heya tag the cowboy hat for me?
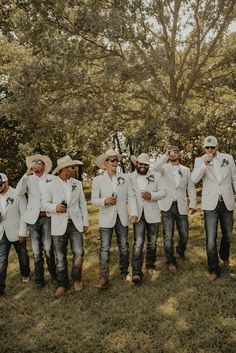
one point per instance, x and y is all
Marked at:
(46, 160)
(103, 157)
(65, 162)
(142, 158)
(210, 141)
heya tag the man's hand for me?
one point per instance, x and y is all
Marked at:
(22, 239)
(85, 229)
(31, 169)
(191, 211)
(146, 195)
(110, 200)
(60, 208)
(133, 219)
(208, 159)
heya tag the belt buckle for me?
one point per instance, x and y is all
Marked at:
(220, 198)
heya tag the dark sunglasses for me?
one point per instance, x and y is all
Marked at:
(208, 147)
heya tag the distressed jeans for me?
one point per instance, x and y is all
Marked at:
(169, 218)
(212, 218)
(60, 243)
(5, 246)
(40, 234)
(140, 228)
(122, 242)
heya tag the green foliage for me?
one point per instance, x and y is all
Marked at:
(75, 75)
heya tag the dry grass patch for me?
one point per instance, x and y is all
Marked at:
(181, 313)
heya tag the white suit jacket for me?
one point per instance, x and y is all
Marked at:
(102, 188)
(158, 192)
(212, 186)
(76, 207)
(29, 185)
(12, 223)
(184, 189)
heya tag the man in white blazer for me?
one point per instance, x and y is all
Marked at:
(112, 192)
(39, 222)
(148, 189)
(64, 200)
(174, 206)
(12, 231)
(218, 173)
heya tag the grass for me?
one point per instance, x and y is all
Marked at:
(182, 313)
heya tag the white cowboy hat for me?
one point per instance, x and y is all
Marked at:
(142, 158)
(103, 157)
(210, 141)
(64, 162)
(46, 160)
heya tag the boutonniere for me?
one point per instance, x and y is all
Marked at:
(74, 186)
(120, 180)
(224, 162)
(48, 180)
(9, 200)
(150, 178)
(180, 172)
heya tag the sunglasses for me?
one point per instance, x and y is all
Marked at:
(208, 147)
(113, 160)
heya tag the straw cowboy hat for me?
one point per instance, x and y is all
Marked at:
(142, 158)
(103, 157)
(65, 162)
(210, 141)
(45, 159)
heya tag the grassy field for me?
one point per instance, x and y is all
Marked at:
(183, 313)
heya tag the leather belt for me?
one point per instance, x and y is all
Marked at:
(42, 214)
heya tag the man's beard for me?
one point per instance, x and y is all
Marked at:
(143, 171)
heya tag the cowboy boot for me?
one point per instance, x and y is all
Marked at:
(103, 281)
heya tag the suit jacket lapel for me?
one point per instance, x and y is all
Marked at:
(108, 182)
(169, 170)
(60, 189)
(9, 200)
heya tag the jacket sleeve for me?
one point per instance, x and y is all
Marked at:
(198, 171)
(161, 189)
(47, 199)
(22, 187)
(22, 203)
(191, 192)
(83, 208)
(158, 165)
(96, 198)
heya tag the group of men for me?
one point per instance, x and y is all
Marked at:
(54, 209)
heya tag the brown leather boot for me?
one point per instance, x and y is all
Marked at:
(103, 281)
(78, 286)
(60, 291)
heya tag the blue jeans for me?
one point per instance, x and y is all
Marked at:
(169, 218)
(60, 243)
(122, 242)
(5, 246)
(41, 240)
(220, 213)
(139, 237)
